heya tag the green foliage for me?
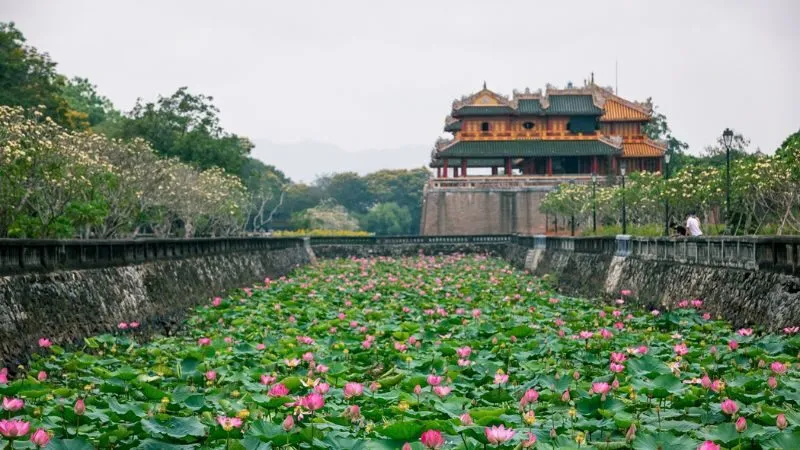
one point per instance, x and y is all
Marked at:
(186, 126)
(82, 97)
(508, 350)
(387, 219)
(326, 216)
(29, 79)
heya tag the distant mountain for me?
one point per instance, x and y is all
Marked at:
(303, 161)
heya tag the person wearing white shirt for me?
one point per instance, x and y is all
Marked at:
(693, 225)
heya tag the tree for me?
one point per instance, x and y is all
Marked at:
(348, 189)
(29, 79)
(82, 97)
(387, 219)
(403, 187)
(325, 216)
(658, 130)
(187, 126)
(266, 187)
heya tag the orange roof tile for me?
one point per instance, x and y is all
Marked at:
(617, 111)
(641, 150)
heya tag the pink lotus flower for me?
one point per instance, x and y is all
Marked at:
(605, 334)
(45, 343)
(14, 428)
(716, 386)
(80, 407)
(434, 380)
(500, 378)
(441, 391)
(216, 302)
(288, 423)
(417, 389)
(772, 382)
(706, 316)
(279, 390)
(41, 376)
(530, 396)
(13, 404)
(708, 445)
(565, 397)
(600, 388)
(211, 375)
(791, 330)
(680, 349)
(625, 292)
(204, 341)
(322, 388)
(705, 381)
(122, 326)
(618, 357)
(697, 303)
(498, 435)
(353, 390)
(617, 368)
(778, 368)
(780, 421)
(229, 423)
(464, 352)
(585, 334)
(745, 331)
(267, 380)
(3, 376)
(40, 438)
(260, 346)
(729, 407)
(530, 442)
(352, 412)
(741, 424)
(406, 446)
(134, 324)
(432, 439)
(466, 419)
(312, 401)
(655, 312)
(733, 345)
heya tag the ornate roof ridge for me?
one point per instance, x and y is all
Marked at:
(450, 120)
(608, 93)
(466, 100)
(614, 141)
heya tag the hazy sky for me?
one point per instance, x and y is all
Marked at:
(382, 74)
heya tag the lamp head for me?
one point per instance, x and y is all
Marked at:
(594, 177)
(727, 137)
(667, 157)
(622, 166)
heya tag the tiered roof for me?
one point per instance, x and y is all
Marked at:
(590, 100)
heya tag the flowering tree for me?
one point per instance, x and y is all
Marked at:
(60, 183)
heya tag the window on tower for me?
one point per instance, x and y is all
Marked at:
(484, 126)
(527, 125)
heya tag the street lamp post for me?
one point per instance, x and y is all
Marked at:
(727, 139)
(594, 204)
(622, 166)
(572, 218)
(666, 198)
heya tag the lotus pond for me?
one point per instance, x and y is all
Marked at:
(440, 353)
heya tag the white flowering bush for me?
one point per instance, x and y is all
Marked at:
(60, 183)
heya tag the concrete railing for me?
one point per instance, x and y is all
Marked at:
(402, 240)
(773, 253)
(512, 182)
(27, 255)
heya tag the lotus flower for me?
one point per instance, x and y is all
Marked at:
(229, 423)
(780, 421)
(278, 390)
(530, 442)
(40, 437)
(312, 401)
(729, 407)
(45, 343)
(434, 380)
(432, 439)
(498, 435)
(778, 368)
(741, 424)
(80, 407)
(353, 390)
(466, 419)
(708, 445)
(288, 423)
(14, 428)
(600, 388)
(441, 391)
(13, 404)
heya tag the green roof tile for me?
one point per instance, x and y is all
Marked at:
(483, 111)
(530, 106)
(454, 126)
(572, 105)
(456, 162)
(527, 148)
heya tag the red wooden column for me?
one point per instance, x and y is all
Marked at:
(595, 165)
(550, 166)
(613, 165)
(444, 166)
(463, 167)
(508, 166)
(438, 172)
(494, 170)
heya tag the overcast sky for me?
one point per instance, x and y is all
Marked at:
(382, 74)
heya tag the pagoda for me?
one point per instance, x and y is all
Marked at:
(561, 132)
(506, 154)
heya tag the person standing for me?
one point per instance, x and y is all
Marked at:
(693, 225)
